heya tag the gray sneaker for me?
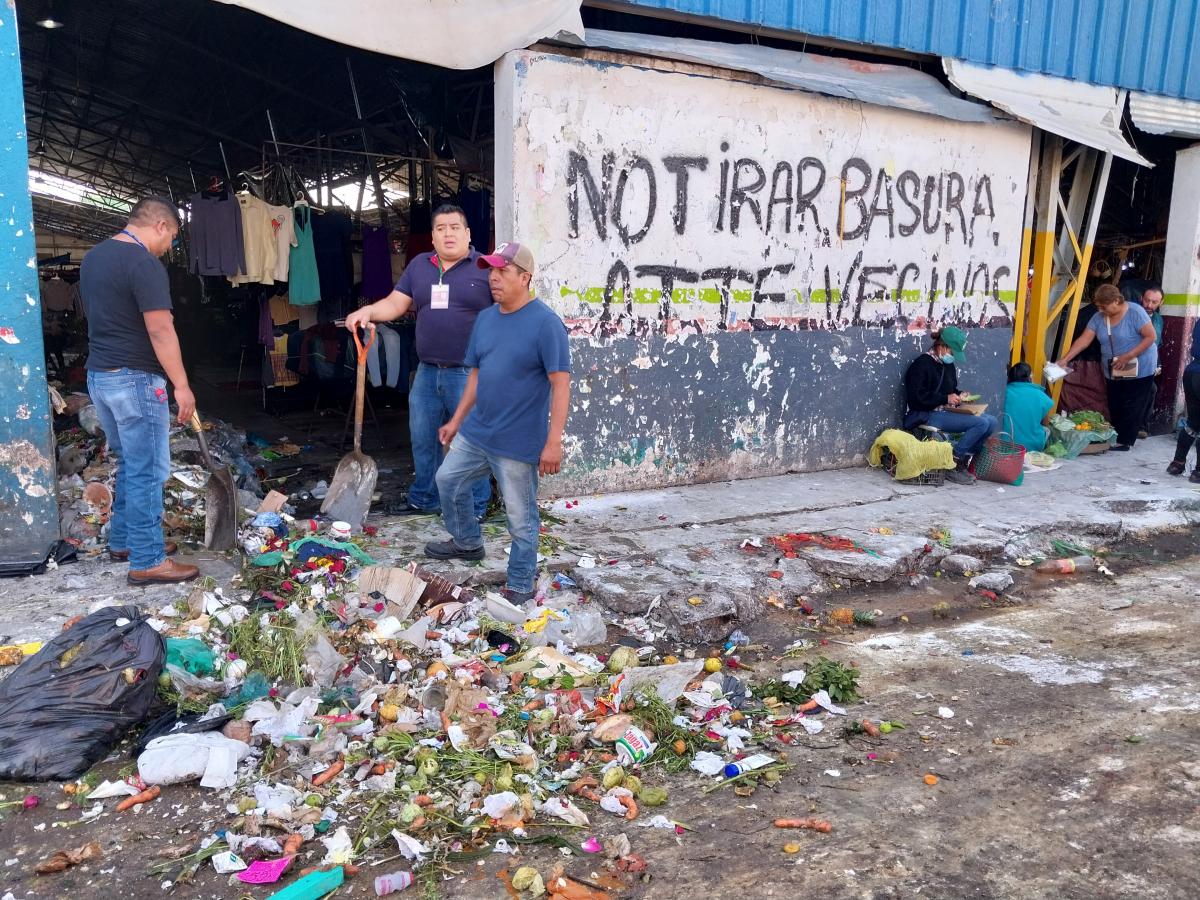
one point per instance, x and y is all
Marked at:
(517, 598)
(960, 474)
(451, 550)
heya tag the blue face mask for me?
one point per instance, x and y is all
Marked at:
(947, 358)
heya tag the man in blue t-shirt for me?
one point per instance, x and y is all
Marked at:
(510, 420)
(447, 292)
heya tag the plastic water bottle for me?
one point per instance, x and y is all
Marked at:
(1067, 566)
(390, 884)
(749, 764)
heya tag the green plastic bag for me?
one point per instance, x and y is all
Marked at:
(191, 655)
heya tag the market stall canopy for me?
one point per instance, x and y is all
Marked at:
(1085, 113)
(876, 83)
(1155, 114)
(456, 34)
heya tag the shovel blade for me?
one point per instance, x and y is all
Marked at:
(349, 496)
(220, 512)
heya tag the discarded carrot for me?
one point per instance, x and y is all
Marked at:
(379, 769)
(631, 810)
(330, 773)
(144, 797)
(348, 869)
(423, 800)
(870, 728)
(820, 825)
(807, 707)
(418, 822)
(291, 846)
(532, 705)
(433, 635)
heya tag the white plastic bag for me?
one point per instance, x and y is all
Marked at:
(176, 758)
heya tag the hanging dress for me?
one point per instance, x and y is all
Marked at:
(304, 286)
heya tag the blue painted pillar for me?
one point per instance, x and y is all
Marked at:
(28, 507)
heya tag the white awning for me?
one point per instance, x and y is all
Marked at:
(455, 34)
(1086, 113)
(1155, 114)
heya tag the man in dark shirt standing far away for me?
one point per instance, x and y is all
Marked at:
(447, 292)
(132, 351)
(510, 420)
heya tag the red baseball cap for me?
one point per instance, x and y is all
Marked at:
(504, 254)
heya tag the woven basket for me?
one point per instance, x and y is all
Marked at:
(928, 478)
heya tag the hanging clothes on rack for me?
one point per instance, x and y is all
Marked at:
(260, 245)
(285, 239)
(477, 204)
(377, 281)
(215, 242)
(60, 296)
(331, 243)
(304, 285)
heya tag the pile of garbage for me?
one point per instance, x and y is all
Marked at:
(87, 474)
(348, 712)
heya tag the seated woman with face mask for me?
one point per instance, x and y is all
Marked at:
(931, 389)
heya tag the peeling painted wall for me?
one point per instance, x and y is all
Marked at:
(28, 509)
(745, 271)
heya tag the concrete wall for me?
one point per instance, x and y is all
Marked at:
(745, 271)
(1181, 281)
(28, 509)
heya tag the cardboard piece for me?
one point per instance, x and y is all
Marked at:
(967, 409)
(273, 502)
(399, 587)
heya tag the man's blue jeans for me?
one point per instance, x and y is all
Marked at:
(431, 402)
(974, 429)
(518, 483)
(133, 411)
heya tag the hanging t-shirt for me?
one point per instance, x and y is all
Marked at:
(285, 239)
(304, 285)
(515, 354)
(216, 245)
(376, 262)
(259, 240)
(331, 243)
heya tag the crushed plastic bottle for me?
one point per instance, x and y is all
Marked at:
(1067, 566)
(390, 884)
(749, 764)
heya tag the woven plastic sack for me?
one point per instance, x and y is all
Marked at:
(65, 707)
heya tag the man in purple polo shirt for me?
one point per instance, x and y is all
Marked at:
(447, 291)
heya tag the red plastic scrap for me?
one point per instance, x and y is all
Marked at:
(790, 543)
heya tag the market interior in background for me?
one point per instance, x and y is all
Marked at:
(201, 99)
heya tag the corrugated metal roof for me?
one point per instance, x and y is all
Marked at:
(1145, 45)
(1165, 115)
(1086, 113)
(882, 85)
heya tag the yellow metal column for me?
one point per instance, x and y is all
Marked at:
(1043, 252)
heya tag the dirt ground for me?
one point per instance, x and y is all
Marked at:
(1067, 770)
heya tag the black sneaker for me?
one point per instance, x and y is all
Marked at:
(451, 550)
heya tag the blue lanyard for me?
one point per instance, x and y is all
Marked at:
(129, 234)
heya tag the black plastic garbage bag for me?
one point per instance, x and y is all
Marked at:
(67, 705)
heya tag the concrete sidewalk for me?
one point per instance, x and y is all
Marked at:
(681, 542)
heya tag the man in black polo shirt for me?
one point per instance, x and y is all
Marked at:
(447, 291)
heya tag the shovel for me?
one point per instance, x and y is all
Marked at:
(349, 495)
(220, 509)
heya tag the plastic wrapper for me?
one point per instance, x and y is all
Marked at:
(65, 707)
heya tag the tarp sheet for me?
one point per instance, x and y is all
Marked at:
(455, 34)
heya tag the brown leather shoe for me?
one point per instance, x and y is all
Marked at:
(121, 555)
(166, 572)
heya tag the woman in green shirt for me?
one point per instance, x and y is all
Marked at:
(1027, 406)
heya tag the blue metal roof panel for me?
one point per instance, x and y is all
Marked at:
(1144, 45)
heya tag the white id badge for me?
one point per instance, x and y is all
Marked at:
(439, 296)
